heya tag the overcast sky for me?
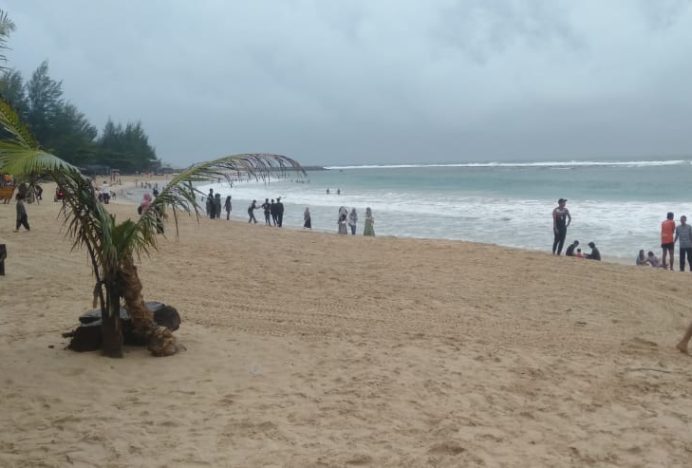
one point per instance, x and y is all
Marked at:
(374, 81)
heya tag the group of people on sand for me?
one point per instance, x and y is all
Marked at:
(349, 220)
(573, 250)
(561, 221)
(273, 212)
(213, 205)
(670, 234)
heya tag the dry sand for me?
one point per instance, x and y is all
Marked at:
(309, 350)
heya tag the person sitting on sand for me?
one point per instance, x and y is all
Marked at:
(682, 345)
(641, 259)
(579, 254)
(595, 254)
(570, 250)
(653, 260)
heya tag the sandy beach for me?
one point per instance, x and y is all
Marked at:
(309, 349)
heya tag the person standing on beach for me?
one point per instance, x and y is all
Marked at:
(266, 206)
(279, 212)
(561, 220)
(273, 212)
(22, 218)
(353, 220)
(307, 224)
(217, 205)
(369, 223)
(342, 225)
(683, 233)
(228, 207)
(251, 212)
(668, 240)
(210, 203)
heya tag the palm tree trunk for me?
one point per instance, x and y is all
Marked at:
(160, 341)
(111, 326)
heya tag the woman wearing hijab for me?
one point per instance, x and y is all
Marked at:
(369, 223)
(308, 221)
(353, 220)
(342, 224)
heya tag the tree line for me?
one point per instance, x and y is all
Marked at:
(66, 132)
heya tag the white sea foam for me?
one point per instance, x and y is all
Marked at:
(558, 164)
(618, 208)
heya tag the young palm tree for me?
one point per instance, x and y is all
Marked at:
(112, 246)
(6, 27)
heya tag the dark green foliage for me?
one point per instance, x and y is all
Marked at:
(64, 131)
(126, 148)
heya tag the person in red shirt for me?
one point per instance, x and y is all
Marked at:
(668, 240)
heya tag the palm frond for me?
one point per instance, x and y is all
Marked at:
(12, 124)
(180, 194)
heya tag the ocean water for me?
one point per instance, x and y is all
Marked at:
(618, 204)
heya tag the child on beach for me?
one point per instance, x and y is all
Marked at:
(654, 261)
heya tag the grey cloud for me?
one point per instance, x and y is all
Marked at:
(364, 82)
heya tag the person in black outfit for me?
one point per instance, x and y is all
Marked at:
(267, 207)
(210, 204)
(228, 207)
(571, 248)
(3, 256)
(217, 206)
(279, 212)
(595, 253)
(561, 219)
(251, 212)
(272, 210)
